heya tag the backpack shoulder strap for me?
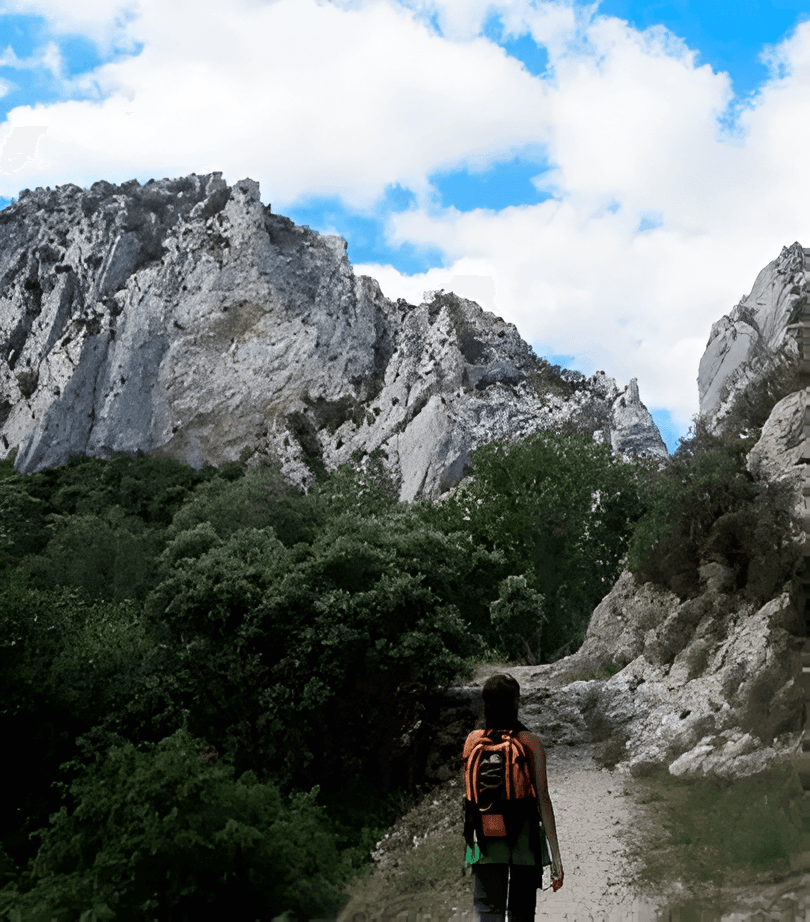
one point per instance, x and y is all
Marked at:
(472, 740)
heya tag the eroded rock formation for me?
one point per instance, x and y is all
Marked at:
(754, 339)
(184, 319)
(709, 685)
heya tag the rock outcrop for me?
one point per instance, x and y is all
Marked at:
(707, 685)
(183, 319)
(710, 686)
(754, 339)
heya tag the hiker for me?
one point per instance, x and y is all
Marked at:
(506, 797)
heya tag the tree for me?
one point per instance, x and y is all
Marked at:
(169, 830)
(518, 618)
(561, 510)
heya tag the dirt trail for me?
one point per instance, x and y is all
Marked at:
(605, 826)
(596, 816)
(608, 824)
(419, 864)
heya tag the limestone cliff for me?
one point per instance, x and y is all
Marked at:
(710, 684)
(185, 319)
(755, 338)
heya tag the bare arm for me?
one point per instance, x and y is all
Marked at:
(538, 767)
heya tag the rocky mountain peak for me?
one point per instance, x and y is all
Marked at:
(754, 339)
(184, 319)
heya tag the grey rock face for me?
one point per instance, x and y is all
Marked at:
(709, 687)
(754, 337)
(184, 319)
(779, 447)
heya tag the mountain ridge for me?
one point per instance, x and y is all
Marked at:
(184, 319)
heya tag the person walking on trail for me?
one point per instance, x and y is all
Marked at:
(506, 799)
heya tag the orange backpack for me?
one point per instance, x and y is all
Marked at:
(498, 787)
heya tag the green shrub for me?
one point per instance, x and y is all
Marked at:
(66, 664)
(261, 499)
(279, 648)
(161, 830)
(22, 523)
(153, 489)
(96, 525)
(7, 466)
(517, 616)
(109, 558)
(560, 509)
(706, 506)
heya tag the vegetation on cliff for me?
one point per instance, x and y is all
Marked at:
(706, 507)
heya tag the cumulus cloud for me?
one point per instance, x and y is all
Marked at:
(309, 98)
(636, 130)
(102, 21)
(661, 216)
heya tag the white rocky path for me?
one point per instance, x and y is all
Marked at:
(595, 816)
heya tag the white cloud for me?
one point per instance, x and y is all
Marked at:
(20, 147)
(634, 122)
(102, 21)
(346, 97)
(305, 96)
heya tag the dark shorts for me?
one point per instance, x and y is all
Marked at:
(490, 892)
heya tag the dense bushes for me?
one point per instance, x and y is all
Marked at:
(150, 612)
(705, 506)
(561, 510)
(166, 830)
(272, 641)
(147, 608)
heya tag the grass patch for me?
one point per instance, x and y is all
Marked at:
(429, 879)
(718, 834)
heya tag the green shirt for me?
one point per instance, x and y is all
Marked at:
(498, 850)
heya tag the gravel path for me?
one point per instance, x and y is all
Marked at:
(595, 814)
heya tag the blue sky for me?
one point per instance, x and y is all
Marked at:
(609, 176)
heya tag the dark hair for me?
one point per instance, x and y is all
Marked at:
(500, 710)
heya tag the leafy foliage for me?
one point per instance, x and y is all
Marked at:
(148, 610)
(160, 830)
(517, 616)
(561, 510)
(117, 629)
(96, 525)
(706, 506)
(259, 500)
(270, 640)
(65, 664)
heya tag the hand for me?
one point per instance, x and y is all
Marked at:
(556, 875)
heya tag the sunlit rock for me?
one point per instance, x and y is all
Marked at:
(184, 319)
